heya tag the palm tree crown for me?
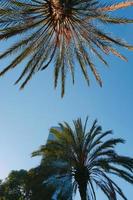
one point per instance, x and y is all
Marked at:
(58, 32)
(90, 158)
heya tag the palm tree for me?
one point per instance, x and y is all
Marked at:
(91, 158)
(58, 32)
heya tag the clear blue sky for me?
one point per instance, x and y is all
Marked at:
(26, 116)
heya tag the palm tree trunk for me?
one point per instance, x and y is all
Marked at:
(56, 8)
(56, 3)
(117, 6)
(83, 190)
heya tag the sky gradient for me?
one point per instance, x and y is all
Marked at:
(26, 116)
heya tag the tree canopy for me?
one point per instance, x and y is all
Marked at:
(90, 158)
(63, 34)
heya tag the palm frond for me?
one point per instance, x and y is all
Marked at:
(117, 6)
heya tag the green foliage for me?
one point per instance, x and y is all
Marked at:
(28, 185)
(15, 186)
(90, 157)
(59, 33)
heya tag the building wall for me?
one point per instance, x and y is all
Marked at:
(67, 182)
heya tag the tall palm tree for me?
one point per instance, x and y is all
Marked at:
(59, 32)
(91, 158)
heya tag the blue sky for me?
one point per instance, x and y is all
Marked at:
(26, 116)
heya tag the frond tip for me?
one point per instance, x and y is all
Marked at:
(118, 6)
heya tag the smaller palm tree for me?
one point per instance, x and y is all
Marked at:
(90, 158)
